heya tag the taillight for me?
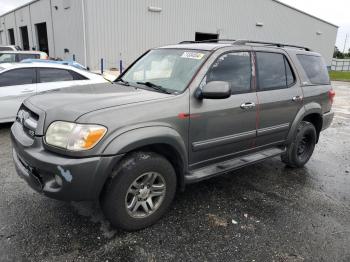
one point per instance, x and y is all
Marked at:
(331, 95)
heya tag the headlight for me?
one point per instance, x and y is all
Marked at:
(75, 137)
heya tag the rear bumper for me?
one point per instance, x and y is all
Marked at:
(327, 119)
(60, 177)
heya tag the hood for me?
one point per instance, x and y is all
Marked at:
(70, 103)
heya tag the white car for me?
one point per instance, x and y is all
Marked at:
(18, 56)
(19, 81)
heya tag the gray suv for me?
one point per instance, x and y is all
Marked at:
(178, 115)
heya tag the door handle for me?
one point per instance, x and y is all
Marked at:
(27, 91)
(297, 98)
(248, 105)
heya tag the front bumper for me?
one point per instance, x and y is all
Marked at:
(57, 176)
(327, 119)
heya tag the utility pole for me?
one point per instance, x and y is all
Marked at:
(346, 39)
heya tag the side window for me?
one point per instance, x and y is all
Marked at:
(289, 73)
(27, 56)
(234, 68)
(54, 75)
(77, 76)
(17, 77)
(274, 71)
(315, 69)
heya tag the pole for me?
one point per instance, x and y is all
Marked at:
(84, 32)
(101, 66)
(346, 39)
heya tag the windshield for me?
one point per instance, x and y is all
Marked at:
(171, 69)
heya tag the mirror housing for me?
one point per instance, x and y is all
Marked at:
(215, 90)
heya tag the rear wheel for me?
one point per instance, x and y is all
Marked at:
(300, 150)
(139, 192)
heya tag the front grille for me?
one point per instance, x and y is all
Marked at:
(28, 119)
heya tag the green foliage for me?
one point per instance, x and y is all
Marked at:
(339, 76)
(340, 55)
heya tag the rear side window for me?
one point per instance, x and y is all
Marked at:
(77, 76)
(274, 71)
(17, 77)
(315, 69)
(21, 57)
(234, 68)
(54, 75)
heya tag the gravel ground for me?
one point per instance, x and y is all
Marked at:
(265, 212)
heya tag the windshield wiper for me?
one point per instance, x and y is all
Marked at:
(155, 87)
(123, 81)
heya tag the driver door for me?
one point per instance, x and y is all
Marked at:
(220, 129)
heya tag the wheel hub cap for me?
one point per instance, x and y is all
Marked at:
(145, 194)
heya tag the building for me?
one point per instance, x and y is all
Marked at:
(113, 29)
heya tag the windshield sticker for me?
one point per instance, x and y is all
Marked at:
(193, 55)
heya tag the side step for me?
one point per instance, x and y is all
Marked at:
(232, 164)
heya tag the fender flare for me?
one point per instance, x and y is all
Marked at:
(147, 136)
(310, 108)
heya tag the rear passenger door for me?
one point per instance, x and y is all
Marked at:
(279, 94)
(56, 78)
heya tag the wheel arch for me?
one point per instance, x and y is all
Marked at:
(312, 113)
(159, 139)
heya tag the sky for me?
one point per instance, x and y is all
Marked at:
(334, 11)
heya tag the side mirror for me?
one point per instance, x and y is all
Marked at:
(215, 90)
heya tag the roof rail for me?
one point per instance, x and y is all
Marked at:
(207, 41)
(244, 42)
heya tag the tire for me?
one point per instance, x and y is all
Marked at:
(125, 187)
(300, 150)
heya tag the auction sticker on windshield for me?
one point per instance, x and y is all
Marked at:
(193, 55)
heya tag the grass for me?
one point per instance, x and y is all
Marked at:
(339, 76)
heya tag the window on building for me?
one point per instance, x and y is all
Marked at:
(234, 68)
(274, 71)
(14, 77)
(315, 69)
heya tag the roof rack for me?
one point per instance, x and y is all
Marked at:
(244, 42)
(207, 41)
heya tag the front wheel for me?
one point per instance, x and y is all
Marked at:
(139, 192)
(302, 147)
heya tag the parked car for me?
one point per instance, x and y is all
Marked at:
(19, 81)
(62, 62)
(18, 56)
(10, 48)
(178, 115)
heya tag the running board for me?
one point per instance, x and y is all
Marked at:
(232, 164)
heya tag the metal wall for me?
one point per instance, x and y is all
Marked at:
(64, 26)
(127, 28)
(68, 29)
(124, 29)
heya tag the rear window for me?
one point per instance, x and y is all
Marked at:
(315, 69)
(7, 58)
